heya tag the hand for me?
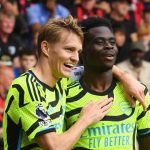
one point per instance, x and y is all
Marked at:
(134, 90)
(95, 111)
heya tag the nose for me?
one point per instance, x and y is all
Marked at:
(108, 45)
(75, 57)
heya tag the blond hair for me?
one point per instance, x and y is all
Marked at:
(53, 29)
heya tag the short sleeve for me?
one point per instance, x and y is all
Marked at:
(31, 115)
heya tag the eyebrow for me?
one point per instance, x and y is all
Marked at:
(111, 38)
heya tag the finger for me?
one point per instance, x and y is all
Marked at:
(105, 113)
(131, 101)
(142, 101)
(105, 102)
(106, 107)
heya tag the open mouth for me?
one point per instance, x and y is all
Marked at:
(109, 57)
(69, 65)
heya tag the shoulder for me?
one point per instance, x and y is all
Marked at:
(21, 81)
(146, 63)
(34, 7)
(62, 83)
(73, 89)
(59, 6)
(63, 11)
(123, 64)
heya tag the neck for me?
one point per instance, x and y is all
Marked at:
(116, 16)
(44, 73)
(98, 81)
(4, 37)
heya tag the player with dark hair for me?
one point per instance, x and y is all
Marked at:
(120, 127)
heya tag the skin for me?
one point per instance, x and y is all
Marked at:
(136, 58)
(7, 77)
(132, 92)
(27, 62)
(7, 24)
(120, 38)
(103, 49)
(56, 58)
(88, 5)
(121, 8)
(101, 79)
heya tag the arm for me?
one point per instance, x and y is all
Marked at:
(52, 141)
(144, 143)
(90, 114)
(134, 90)
(143, 125)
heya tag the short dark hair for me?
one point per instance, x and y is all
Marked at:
(112, 1)
(28, 51)
(95, 21)
(119, 28)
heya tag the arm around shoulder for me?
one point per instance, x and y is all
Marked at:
(91, 113)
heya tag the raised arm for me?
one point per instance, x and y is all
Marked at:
(90, 114)
(133, 88)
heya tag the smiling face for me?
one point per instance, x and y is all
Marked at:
(121, 7)
(27, 62)
(100, 49)
(64, 54)
(88, 5)
(7, 24)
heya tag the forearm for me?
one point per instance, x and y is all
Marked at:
(63, 141)
(90, 113)
(118, 73)
(71, 136)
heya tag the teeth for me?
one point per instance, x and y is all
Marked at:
(70, 65)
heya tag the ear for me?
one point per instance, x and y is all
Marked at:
(45, 48)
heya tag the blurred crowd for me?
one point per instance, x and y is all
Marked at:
(20, 21)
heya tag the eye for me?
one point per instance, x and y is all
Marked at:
(100, 42)
(112, 42)
(69, 50)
